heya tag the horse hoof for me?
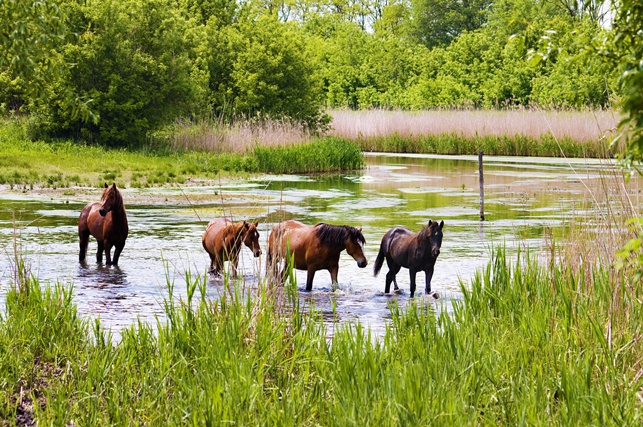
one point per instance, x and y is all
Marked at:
(434, 295)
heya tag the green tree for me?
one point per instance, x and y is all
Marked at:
(628, 46)
(261, 66)
(439, 22)
(132, 60)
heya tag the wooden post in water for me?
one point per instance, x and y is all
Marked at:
(481, 179)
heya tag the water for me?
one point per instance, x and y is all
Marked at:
(523, 198)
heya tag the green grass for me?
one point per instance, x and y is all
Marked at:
(527, 345)
(517, 145)
(61, 164)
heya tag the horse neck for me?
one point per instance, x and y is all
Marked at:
(118, 212)
(422, 244)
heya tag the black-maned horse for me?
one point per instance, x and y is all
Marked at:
(416, 251)
(315, 247)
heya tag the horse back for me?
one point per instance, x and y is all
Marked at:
(401, 245)
(213, 237)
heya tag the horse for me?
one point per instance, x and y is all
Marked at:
(222, 241)
(416, 251)
(107, 222)
(315, 247)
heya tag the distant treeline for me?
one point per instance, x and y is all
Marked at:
(110, 71)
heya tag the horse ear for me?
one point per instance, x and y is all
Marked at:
(106, 186)
(429, 224)
(114, 186)
(257, 223)
(441, 224)
(359, 229)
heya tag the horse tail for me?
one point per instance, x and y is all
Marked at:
(379, 261)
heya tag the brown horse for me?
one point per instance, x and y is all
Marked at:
(222, 241)
(415, 251)
(107, 222)
(315, 247)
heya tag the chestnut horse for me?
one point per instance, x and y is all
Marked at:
(415, 251)
(107, 222)
(315, 247)
(222, 241)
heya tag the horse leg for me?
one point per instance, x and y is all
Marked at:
(99, 251)
(108, 250)
(309, 280)
(429, 275)
(235, 263)
(393, 269)
(84, 241)
(117, 253)
(412, 273)
(333, 276)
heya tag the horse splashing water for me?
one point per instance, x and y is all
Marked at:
(222, 241)
(107, 222)
(416, 251)
(314, 247)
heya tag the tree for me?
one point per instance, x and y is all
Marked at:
(438, 22)
(628, 47)
(132, 60)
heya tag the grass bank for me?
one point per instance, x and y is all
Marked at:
(65, 163)
(527, 345)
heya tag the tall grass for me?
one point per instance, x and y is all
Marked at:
(59, 164)
(518, 145)
(581, 126)
(509, 132)
(527, 345)
(237, 137)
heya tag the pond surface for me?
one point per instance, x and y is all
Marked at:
(523, 198)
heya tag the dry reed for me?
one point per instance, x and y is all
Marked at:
(237, 137)
(580, 126)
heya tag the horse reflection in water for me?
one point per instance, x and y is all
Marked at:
(107, 222)
(416, 251)
(314, 248)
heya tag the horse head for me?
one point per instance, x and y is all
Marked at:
(111, 199)
(434, 234)
(355, 245)
(251, 237)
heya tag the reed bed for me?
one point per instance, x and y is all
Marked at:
(527, 345)
(238, 137)
(581, 126)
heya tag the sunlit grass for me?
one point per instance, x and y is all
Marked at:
(61, 164)
(527, 345)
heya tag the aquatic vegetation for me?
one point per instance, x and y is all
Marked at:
(528, 344)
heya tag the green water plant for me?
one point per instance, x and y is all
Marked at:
(528, 344)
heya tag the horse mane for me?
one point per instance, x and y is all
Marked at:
(118, 204)
(336, 235)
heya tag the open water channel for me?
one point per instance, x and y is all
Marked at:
(524, 197)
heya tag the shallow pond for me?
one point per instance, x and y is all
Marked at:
(523, 197)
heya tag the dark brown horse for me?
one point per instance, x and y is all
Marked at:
(315, 247)
(222, 241)
(416, 251)
(107, 222)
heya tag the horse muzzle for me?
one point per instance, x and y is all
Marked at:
(257, 253)
(436, 253)
(362, 264)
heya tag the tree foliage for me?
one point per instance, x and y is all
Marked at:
(111, 71)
